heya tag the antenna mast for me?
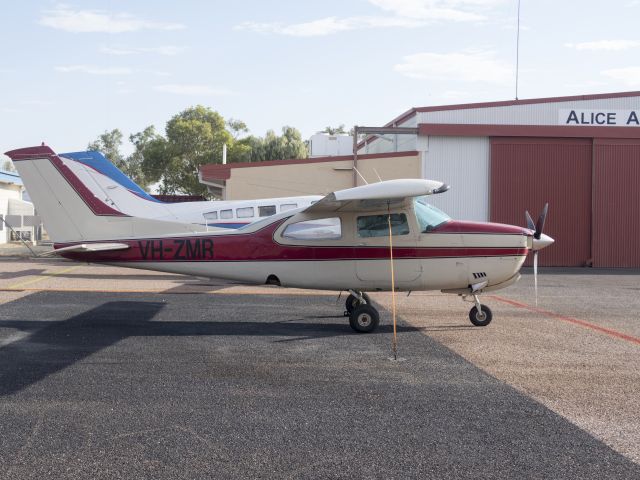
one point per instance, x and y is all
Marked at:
(517, 49)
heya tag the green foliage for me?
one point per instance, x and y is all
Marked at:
(7, 166)
(273, 147)
(194, 137)
(109, 143)
(339, 130)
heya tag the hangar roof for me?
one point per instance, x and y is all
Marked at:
(509, 103)
(214, 171)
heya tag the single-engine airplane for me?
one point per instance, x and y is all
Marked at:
(341, 242)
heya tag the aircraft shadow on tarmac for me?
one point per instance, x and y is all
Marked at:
(51, 346)
(22, 273)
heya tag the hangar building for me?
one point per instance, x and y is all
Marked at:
(580, 153)
(15, 211)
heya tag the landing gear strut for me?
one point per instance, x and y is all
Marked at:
(363, 317)
(480, 315)
(355, 299)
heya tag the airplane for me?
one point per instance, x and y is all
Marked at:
(347, 241)
(109, 183)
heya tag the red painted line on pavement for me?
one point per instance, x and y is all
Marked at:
(575, 321)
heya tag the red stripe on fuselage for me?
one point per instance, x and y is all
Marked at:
(461, 226)
(260, 246)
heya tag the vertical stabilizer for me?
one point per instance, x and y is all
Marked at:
(70, 210)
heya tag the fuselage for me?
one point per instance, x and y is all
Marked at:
(453, 255)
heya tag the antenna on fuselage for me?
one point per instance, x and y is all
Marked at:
(360, 175)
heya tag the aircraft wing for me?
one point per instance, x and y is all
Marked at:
(377, 195)
(86, 248)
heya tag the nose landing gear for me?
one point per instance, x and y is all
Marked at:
(480, 315)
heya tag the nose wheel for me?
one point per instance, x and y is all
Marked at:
(480, 315)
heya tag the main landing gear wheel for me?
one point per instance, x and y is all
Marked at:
(480, 318)
(364, 319)
(353, 302)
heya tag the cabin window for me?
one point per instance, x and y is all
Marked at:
(266, 210)
(428, 216)
(288, 206)
(317, 229)
(378, 225)
(226, 214)
(245, 212)
(211, 216)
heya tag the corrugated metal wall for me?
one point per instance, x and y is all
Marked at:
(527, 172)
(463, 163)
(616, 212)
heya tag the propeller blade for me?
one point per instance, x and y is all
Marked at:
(530, 224)
(540, 224)
(535, 274)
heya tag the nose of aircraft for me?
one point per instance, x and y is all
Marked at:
(542, 242)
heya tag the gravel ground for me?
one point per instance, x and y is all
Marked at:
(113, 373)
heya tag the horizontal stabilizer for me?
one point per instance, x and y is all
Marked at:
(86, 248)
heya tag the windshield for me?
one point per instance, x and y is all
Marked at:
(429, 217)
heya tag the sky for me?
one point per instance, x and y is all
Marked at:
(69, 71)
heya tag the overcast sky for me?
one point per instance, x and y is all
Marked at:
(69, 71)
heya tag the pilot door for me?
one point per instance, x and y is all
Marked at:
(372, 249)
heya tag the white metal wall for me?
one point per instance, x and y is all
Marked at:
(528, 114)
(463, 163)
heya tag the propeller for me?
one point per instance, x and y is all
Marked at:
(540, 241)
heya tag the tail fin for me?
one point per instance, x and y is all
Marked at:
(70, 211)
(100, 163)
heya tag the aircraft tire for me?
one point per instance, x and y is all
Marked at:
(364, 319)
(352, 302)
(480, 319)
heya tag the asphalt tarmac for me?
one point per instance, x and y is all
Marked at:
(112, 373)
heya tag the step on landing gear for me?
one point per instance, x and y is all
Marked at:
(363, 317)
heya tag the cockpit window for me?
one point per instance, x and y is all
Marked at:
(429, 217)
(378, 225)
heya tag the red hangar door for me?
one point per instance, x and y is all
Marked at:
(616, 203)
(526, 173)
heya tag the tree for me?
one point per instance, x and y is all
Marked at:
(109, 144)
(273, 147)
(134, 162)
(193, 137)
(339, 130)
(8, 166)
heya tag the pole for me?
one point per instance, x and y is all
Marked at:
(394, 344)
(517, 49)
(355, 156)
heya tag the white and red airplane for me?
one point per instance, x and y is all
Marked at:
(342, 242)
(114, 188)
